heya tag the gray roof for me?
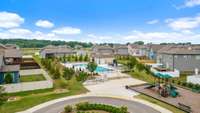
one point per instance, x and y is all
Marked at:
(12, 46)
(9, 68)
(13, 53)
(2, 46)
(136, 46)
(120, 47)
(98, 51)
(155, 47)
(57, 49)
(180, 49)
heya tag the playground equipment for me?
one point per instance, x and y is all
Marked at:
(163, 86)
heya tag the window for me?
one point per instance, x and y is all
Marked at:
(198, 57)
(185, 56)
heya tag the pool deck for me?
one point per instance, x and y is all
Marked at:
(186, 97)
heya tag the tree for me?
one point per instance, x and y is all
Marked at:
(82, 76)
(131, 63)
(92, 66)
(139, 42)
(69, 58)
(140, 67)
(68, 73)
(81, 57)
(56, 74)
(86, 57)
(8, 78)
(2, 95)
(76, 58)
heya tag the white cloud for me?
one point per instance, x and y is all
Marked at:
(44, 24)
(10, 20)
(191, 3)
(20, 31)
(67, 31)
(187, 4)
(157, 37)
(155, 21)
(99, 38)
(184, 23)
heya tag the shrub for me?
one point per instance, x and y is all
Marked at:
(68, 109)
(184, 84)
(56, 74)
(82, 76)
(111, 109)
(179, 82)
(197, 86)
(8, 78)
(68, 73)
(190, 85)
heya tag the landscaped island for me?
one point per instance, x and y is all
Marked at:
(86, 107)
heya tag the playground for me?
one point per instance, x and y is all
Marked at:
(163, 90)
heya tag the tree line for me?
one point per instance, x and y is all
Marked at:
(33, 43)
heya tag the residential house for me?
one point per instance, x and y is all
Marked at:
(10, 59)
(185, 58)
(102, 54)
(121, 50)
(137, 50)
(56, 51)
(152, 50)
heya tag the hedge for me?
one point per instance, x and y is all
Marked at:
(111, 109)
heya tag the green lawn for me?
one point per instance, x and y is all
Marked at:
(142, 76)
(29, 99)
(30, 51)
(31, 78)
(32, 98)
(162, 104)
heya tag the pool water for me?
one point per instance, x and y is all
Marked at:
(99, 69)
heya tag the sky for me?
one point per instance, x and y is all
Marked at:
(100, 21)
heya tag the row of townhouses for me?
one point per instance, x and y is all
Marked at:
(173, 57)
(105, 54)
(185, 58)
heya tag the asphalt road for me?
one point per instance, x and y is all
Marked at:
(133, 107)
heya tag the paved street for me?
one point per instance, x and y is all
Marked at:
(133, 107)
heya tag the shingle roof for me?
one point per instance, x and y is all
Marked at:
(136, 46)
(12, 46)
(9, 68)
(180, 49)
(57, 49)
(14, 53)
(155, 47)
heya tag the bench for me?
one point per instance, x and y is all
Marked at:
(185, 107)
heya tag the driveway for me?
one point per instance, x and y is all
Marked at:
(114, 87)
(133, 107)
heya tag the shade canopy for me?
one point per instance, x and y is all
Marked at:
(162, 75)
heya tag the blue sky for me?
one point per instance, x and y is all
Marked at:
(117, 21)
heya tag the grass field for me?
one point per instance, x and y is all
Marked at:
(30, 51)
(31, 78)
(162, 104)
(29, 99)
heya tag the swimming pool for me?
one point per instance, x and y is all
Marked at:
(99, 69)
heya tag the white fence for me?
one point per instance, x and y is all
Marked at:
(195, 79)
(27, 86)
